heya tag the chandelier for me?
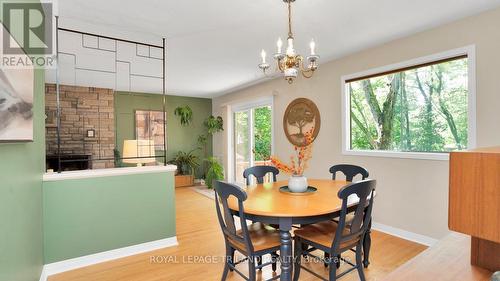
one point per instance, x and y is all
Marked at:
(290, 63)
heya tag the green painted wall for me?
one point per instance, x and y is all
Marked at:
(21, 168)
(178, 137)
(87, 216)
(185, 138)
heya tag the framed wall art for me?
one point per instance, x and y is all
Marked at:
(301, 115)
(149, 126)
(16, 99)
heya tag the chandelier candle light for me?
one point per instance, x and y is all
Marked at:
(290, 63)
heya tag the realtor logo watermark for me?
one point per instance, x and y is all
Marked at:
(27, 38)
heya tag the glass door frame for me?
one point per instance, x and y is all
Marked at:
(240, 107)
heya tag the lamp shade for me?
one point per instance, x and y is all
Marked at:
(138, 148)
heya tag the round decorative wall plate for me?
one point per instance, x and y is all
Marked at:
(301, 115)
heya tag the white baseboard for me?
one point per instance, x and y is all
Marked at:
(407, 235)
(66, 265)
(44, 276)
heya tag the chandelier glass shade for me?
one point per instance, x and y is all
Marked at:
(289, 63)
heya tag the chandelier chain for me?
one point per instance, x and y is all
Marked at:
(290, 34)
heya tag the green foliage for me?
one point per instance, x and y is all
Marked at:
(262, 131)
(203, 146)
(118, 158)
(215, 171)
(186, 162)
(185, 113)
(202, 141)
(214, 124)
(418, 110)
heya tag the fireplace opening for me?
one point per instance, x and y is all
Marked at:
(73, 162)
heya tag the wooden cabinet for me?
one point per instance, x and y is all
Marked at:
(474, 202)
(475, 193)
(485, 253)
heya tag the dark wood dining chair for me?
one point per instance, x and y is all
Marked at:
(336, 238)
(349, 171)
(252, 241)
(259, 172)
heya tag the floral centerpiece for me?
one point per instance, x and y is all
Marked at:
(298, 164)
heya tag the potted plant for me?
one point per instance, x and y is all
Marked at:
(186, 163)
(185, 113)
(215, 171)
(214, 124)
(299, 163)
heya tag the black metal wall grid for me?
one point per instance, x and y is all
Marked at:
(58, 101)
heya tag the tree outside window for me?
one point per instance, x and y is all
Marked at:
(423, 109)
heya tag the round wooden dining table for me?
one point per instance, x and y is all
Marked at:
(267, 204)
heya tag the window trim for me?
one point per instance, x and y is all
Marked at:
(469, 51)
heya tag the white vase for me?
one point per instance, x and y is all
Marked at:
(297, 184)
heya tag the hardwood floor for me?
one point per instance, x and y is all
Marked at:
(451, 253)
(201, 249)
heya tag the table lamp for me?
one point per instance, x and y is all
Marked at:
(138, 152)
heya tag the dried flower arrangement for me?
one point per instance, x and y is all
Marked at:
(298, 161)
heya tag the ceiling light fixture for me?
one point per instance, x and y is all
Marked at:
(290, 63)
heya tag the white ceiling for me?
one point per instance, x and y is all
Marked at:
(214, 46)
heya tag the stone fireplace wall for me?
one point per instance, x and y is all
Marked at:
(82, 109)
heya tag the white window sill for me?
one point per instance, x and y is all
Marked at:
(396, 154)
(84, 174)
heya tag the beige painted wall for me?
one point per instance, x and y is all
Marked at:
(413, 194)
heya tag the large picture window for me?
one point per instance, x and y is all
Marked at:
(423, 108)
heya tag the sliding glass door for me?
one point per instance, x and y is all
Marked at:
(252, 138)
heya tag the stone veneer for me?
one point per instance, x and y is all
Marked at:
(82, 108)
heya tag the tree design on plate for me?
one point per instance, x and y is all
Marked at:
(301, 116)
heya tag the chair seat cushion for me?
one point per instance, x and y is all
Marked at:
(262, 236)
(323, 233)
